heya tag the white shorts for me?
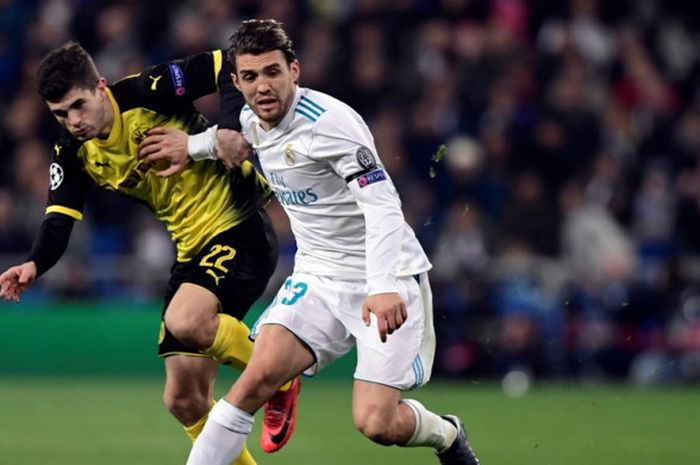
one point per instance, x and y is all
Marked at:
(326, 315)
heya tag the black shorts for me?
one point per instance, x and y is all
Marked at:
(235, 266)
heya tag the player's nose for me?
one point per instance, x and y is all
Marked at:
(73, 118)
(263, 87)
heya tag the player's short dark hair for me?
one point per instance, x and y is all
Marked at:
(64, 68)
(258, 36)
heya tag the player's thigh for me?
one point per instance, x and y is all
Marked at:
(186, 310)
(191, 306)
(228, 275)
(280, 352)
(189, 375)
(305, 305)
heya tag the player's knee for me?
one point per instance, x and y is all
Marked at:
(188, 408)
(375, 427)
(193, 330)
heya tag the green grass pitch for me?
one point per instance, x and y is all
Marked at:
(117, 421)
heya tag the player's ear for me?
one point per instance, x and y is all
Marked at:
(101, 85)
(234, 78)
(295, 69)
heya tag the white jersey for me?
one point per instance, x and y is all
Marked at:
(343, 208)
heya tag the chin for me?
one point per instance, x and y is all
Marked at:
(86, 137)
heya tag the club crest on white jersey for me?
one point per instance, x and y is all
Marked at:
(289, 157)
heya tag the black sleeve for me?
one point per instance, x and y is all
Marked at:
(51, 241)
(172, 86)
(69, 183)
(231, 100)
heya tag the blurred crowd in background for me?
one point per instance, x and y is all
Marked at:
(546, 153)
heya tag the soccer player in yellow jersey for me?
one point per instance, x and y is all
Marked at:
(226, 248)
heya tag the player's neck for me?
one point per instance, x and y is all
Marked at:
(109, 119)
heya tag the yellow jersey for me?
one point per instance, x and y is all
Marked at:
(197, 204)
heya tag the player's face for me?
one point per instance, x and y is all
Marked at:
(84, 112)
(267, 82)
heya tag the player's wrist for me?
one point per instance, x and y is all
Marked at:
(382, 284)
(202, 146)
(41, 264)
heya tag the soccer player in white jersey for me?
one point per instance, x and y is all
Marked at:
(360, 275)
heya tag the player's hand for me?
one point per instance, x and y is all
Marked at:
(231, 148)
(16, 280)
(390, 310)
(165, 144)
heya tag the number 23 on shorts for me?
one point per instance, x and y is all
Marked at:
(295, 291)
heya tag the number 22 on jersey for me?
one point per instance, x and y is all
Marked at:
(219, 255)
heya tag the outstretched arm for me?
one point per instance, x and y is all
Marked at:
(50, 244)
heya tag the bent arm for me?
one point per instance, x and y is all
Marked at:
(345, 142)
(222, 141)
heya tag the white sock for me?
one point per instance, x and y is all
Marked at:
(431, 430)
(223, 436)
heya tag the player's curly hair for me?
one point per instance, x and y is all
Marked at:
(64, 68)
(257, 36)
